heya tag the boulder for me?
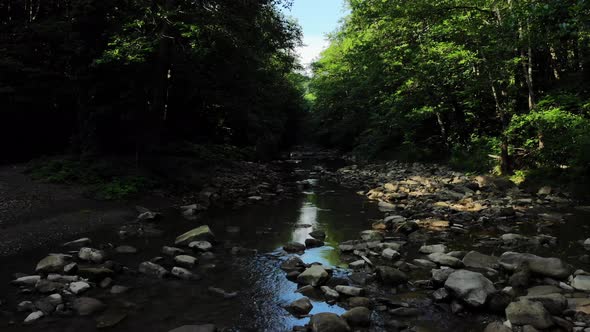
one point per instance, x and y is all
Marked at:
(91, 255)
(330, 293)
(201, 233)
(313, 243)
(26, 281)
(478, 260)
(79, 287)
(315, 276)
(185, 260)
(581, 282)
(371, 235)
(358, 316)
(390, 254)
(293, 263)
(183, 273)
(328, 322)
(294, 247)
(53, 263)
(554, 303)
(152, 269)
(359, 301)
(318, 234)
(471, 287)
(497, 327)
(34, 316)
(300, 307)
(444, 259)
(200, 245)
(126, 250)
(549, 267)
(525, 312)
(391, 276)
(172, 251)
(349, 290)
(434, 248)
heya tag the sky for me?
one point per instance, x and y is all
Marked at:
(317, 18)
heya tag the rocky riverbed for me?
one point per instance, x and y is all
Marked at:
(436, 250)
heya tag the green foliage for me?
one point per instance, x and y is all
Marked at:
(478, 155)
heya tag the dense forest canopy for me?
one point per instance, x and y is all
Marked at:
(458, 79)
(109, 76)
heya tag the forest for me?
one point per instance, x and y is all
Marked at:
(484, 85)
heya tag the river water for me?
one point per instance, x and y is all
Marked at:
(262, 288)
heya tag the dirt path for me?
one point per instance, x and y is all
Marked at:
(33, 214)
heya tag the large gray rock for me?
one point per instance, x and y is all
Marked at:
(471, 287)
(389, 253)
(549, 267)
(300, 307)
(315, 276)
(371, 235)
(478, 260)
(87, 306)
(79, 287)
(431, 249)
(441, 275)
(358, 316)
(26, 281)
(391, 276)
(554, 303)
(91, 255)
(294, 247)
(201, 233)
(581, 282)
(53, 263)
(293, 263)
(152, 269)
(446, 260)
(349, 290)
(34, 316)
(185, 261)
(183, 273)
(525, 312)
(328, 322)
(497, 327)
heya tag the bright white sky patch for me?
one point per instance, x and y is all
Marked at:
(311, 49)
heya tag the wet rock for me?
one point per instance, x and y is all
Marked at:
(126, 250)
(91, 255)
(33, 317)
(549, 267)
(349, 290)
(478, 260)
(471, 287)
(391, 276)
(313, 243)
(71, 268)
(202, 233)
(293, 263)
(110, 318)
(435, 248)
(315, 276)
(358, 316)
(183, 273)
(554, 303)
(318, 234)
(521, 278)
(118, 289)
(26, 281)
(152, 269)
(45, 306)
(53, 263)
(424, 263)
(441, 295)
(106, 282)
(79, 243)
(294, 247)
(581, 282)
(55, 299)
(195, 328)
(328, 322)
(446, 260)
(390, 254)
(201, 245)
(172, 251)
(330, 293)
(543, 290)
(79, 287)
(46, 286)
(526, 312)
(497, 327)
(85, 306)
(357, 265)
(300, 307)
(25, 306)
(371, 235)
(185, 261)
